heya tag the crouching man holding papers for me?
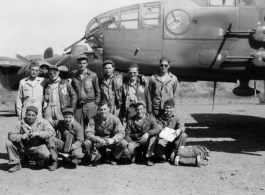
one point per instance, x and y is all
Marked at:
(172, 135)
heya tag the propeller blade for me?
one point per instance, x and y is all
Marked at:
(214, 90)
(23, 59)
(62, 61)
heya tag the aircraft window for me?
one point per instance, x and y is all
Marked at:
(110, 21)
(93, 26)
(247, 2)
(153, 15)
(130, 8)
(153, 22)
(223, 2)
(129, 24)
(129, 16)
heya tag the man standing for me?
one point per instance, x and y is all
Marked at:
(162, 86)
(170, 119)
(29, 138)
(110, 87)
(140, 133)
(69, 139)
(85, 83)
(104, 130)
(30, 92)
(58, 95)
(44, 69)
(134, 90)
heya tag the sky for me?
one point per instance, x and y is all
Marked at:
(28, 27)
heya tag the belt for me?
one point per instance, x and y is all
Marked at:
(54, 104)
(33, 100)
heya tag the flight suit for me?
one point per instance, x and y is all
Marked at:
(58, 144)
(112, 91)
(161, 91)
(88, 92)
(30, 93)
(58, 96)
(33, 147)
(112, 128)
(134, 131)
(165, 148)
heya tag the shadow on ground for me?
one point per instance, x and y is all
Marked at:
(228, 133)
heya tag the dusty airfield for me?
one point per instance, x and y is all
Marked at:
(234, 133)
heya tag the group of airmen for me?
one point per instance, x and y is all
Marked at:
(91, 120)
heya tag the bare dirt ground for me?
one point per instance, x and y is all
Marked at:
(234, 133)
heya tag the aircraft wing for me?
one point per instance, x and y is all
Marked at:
(11, 64)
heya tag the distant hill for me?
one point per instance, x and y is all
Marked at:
(4, 58)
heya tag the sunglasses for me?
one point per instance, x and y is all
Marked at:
(164, 65)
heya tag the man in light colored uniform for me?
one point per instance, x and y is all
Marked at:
(30, 92)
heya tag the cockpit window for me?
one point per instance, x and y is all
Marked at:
(129, 17)
(246, 2)
(223, 2)
(151, 14)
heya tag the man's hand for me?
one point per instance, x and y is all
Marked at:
(110, 141)
(144, 138)
(25, 136)
(100, 142)
(34, 134)
(144, 79)
(178, 132)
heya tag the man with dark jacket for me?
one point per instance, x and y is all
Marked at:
(29, 138)
(104, 130)
(85, 83)
(58, 95)
(134, 89)
(110, 87)
(170, 119)
(69, 139)
(140, 133)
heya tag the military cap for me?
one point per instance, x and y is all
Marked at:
(53, 67)
(170, 102)
(44, 63)
(164, 58)
(63, 69)
(68, 110)
(34, 64)
(107, 62)
(137, 104)
(81, 57)
(32, 108)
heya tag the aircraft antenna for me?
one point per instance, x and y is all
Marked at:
(214, 90)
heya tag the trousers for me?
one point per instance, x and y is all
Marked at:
(147, 147)
(164, 148)
(52, 113)
(84, 112)
(117, 149)
(56, 145)
(15, 149)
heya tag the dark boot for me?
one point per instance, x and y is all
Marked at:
(97, 160)
(113, 160)
(25, 160)
(15, 168)
(54, 165)
(149, 161)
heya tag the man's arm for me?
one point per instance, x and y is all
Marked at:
(148, 99)
(90, 131)
(118, 130)
(73, 96)
(155, 130)
(128, 131)
(97, 89)
(179, 124)
(19, 100)
(47, 130)
(15, 135)
(175, 88)
(79, 136)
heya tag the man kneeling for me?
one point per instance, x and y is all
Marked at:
(140, 133)
(104, 130)
(29, 138)
(170, 119)
(69, 139)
